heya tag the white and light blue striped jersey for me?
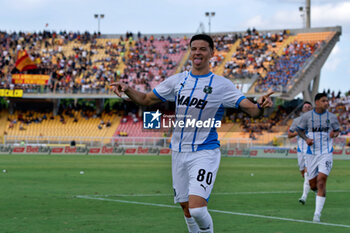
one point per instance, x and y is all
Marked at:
(302, 146)
(198, 97)
(318, 127)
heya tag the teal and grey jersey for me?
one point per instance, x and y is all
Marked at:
(302, 146)
(198, 98)
(318, 127)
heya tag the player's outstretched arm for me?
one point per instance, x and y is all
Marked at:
(256, 110)
(137, 97)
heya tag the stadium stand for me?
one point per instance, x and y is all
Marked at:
(86, 63)
(253, 54)
(132, 126)
(150, 60)
(286, 66)
(29, 125)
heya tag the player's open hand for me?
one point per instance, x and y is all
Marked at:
(309, 142)
(265, 100)
(118, 88)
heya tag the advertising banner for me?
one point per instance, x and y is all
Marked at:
(68, 150)
(269, 152)
(18, 93)
(37, 79)
(105, 150)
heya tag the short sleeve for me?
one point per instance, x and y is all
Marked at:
(334, 122)
(302, 122)
(165, 91)
(232, 97)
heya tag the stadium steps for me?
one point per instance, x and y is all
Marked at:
(101, 52)
(279, 51)
(313, 66)
(122, 65)
(267, 138)
(281, 128)
(220, 69)
(135, 129)
(54, 128)
(315, 36)
(183, 61)
(236, 132)
(286, 42)
(225, 128)
(109, 132)
(301, 37)
(251, 90)
(3, 124)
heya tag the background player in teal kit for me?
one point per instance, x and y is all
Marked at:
(199, 95)
(292, 132)
(321, 127)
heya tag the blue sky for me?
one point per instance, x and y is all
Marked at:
(184, 16)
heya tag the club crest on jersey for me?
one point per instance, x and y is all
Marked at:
(208, 90)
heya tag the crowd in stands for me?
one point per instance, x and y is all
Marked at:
(340, 105)
(252, 54)
(283, 68)
(222, 44)
(69, 70)
(85, 63)
(256, 127)
(151, 60)
(67, 110)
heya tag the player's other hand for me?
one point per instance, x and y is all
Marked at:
(309, 142)
(118, 88)
(265, 100)
(334, 134)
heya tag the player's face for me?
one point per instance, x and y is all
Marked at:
(306, 108)
(322, 103)
(200, 54)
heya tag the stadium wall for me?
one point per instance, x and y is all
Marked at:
(268, 152)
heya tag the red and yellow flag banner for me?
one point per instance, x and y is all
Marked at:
(38, 79)
(24, 62)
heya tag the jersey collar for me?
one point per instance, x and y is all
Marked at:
(201, 76)
(319, 113)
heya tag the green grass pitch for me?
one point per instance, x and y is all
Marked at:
(40, 194)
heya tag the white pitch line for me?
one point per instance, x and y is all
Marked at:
(279, 218)
(233, 193)
(215, 211)
(128, 202)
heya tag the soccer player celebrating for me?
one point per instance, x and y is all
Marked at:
(199, 95)
(307, 106)
(321, 127)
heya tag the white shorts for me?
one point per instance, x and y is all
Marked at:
(194, 173)
(319, 163)
(301, 161)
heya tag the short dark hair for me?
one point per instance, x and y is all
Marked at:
(307, 102)
(320, 95)
(204, 37)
